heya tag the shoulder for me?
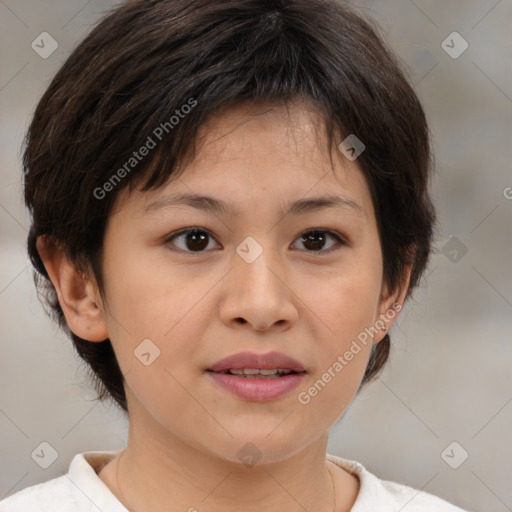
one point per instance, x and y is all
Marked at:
(386, 496)
(52, 495)
(417, 501)
(79, 490)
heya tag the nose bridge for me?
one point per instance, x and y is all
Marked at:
(259, 264)
(257, 292)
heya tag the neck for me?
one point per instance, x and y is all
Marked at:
(160, 472)
(151, 477)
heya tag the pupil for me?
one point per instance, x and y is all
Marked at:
(310, 239)
(197, 240)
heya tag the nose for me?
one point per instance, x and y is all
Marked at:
(259, 295)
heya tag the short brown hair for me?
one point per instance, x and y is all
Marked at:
(147, 58)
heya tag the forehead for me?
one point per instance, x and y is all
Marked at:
(264, 153)
(295, 130)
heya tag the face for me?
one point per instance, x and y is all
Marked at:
(304, 282)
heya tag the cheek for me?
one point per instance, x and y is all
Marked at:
(144, 296)
(150, 300)
(347, 302)
(347, 299)
(157, 312)
(346, 306)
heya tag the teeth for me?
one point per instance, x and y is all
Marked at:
(250, 372)
(276, 376)
(267, 372)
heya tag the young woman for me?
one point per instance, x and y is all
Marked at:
(229, 208)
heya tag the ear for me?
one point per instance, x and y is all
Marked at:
(390, 305)
(78, 296)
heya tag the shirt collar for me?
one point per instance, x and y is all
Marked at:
(86, 483)
(372, 493)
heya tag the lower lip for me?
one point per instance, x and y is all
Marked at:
(258, 390)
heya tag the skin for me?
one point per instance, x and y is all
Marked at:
(185, 431)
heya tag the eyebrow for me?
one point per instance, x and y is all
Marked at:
(220, 207)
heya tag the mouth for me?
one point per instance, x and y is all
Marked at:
(257, 377)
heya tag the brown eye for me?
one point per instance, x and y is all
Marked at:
(192, 239)
(315, 240)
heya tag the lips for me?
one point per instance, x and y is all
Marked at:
(258, 377)
(250, 362)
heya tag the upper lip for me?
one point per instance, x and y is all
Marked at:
(267, 361)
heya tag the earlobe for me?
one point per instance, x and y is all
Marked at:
(77, 295)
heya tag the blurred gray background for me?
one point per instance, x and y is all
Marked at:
(440, 416)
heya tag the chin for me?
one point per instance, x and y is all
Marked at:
(257, 447)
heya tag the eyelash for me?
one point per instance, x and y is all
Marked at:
(340, 241)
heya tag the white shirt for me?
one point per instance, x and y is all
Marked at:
(81, 490)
